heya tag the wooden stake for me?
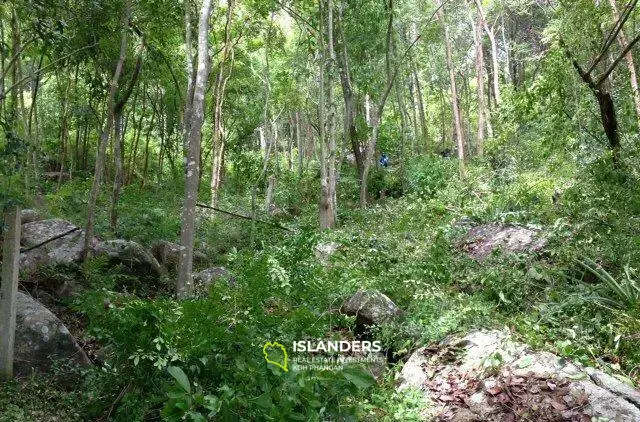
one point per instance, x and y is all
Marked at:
(9, 289)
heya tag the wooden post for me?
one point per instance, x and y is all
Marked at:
(9, 288)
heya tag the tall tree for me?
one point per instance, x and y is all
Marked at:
(454, 90)
(482, 106)
(118, 139)
(106, 130)
(326, 137)
(184, 287)
(218, 144)
(495, 69)
(597, 84)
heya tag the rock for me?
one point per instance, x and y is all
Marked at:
(29, 216)
(54, 176)
(606, 405)
(168, 254)
(324, 251)
(65, 250)
(211, 275)
(205, 278)
(376, 365)
(413, 374)
(41, 337)
(481, 241)
(370, 307)
(131, 255)
(473, 371)
(615, 386)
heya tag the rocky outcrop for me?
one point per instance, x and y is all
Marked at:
(29, 216)
(481, 241)
(168, 254)
(41, 338)
(370, 307)
(66, 249)
(487, 376)
(131, 255)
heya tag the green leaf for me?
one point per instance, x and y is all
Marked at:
(264, 401)
(358, 377)
(180, 377)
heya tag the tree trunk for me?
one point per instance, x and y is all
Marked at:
(118, 141)
(300, 143)
(186, 118)
(326, 138)
(146, 147)
(269, 197)
(609, 121)
(454, 90)
(217, 147)
(106, 131)
(10, 272)
(482, 107)
(494, 50)
(184, 286)
(350, 128)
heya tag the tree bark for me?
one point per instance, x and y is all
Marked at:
(106, 131)
(10, 272)
(327, 206)
(184, 287)
(186, 118)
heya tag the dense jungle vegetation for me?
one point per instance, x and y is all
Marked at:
(301, 151)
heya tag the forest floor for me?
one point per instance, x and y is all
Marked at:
(413, 248)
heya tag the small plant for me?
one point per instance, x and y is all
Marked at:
(624, 293)
(186, 404)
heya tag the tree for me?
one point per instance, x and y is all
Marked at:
(454, 90)
(218, 144)
(597, 84)
(483, 117)
(118, 140)
(184, 287)
(495, 73)
(327, 206)
(633, 76)
(106, 130)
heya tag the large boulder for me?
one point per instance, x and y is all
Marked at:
(29, 216)
(481, 241)
(41, 338)
(168, 254)
(370, 307)
(131, 255)
(66, 249)
(488, 376)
